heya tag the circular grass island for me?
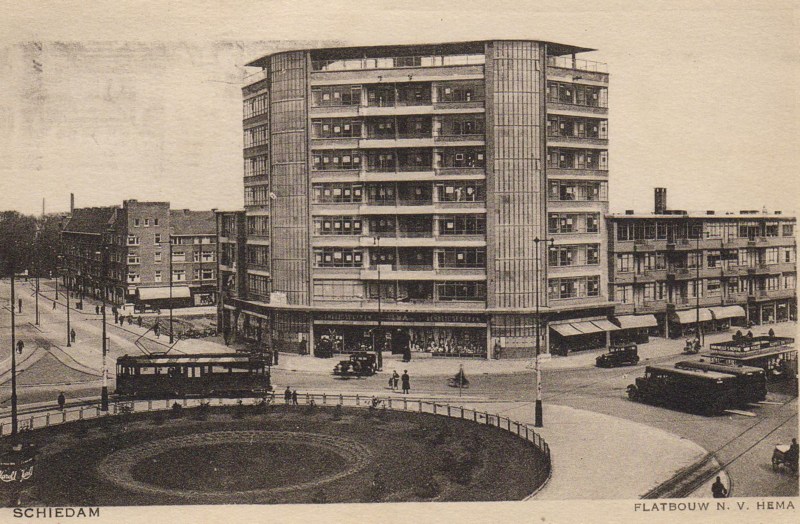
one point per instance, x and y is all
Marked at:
(250, 455)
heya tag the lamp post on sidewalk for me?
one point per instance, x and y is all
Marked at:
(538, 417)
(13, 361)
(380, 339)
(170, 291)
(37, 265)
(104, 391)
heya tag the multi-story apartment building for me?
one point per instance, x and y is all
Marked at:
(405, 186)
(133, 243)
(671, 269)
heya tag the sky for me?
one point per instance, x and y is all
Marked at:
(144, 101)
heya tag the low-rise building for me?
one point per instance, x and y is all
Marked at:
(128, 253)
(674, 270)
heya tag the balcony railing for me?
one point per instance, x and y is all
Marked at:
(397, 62)
(404, 267)
(578, 63)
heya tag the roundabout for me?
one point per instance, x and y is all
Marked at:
(213, 464)
(279, 455)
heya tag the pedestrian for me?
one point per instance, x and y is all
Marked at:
(54, 304)
(406, 382)
(294, 397)
(19, 303)
(718, 489)
(20, 346)
(116, 314)
(130, 319)
(275, 354)
(139, 320)
(72, 334)
(395, 379)
(287, 395)
(103, 310)
(97, 310)
(61, 401)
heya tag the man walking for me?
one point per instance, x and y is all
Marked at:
(97, 310)
(61, 401)
(718, 489)
(20, 347)
(287, 396)
(294, 397)
(116, 314)
(72, 334)
(406, 380)
(54, 305)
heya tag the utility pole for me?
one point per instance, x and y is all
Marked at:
(13, 360)
(697, 288)
(378, 347)
(538, 417)
(69, 330)
(104, 391)
(170, 290)
(38, 266)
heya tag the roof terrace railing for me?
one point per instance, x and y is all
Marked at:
(397, 62)
(578, 64)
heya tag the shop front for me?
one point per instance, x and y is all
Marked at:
(684, 323)
(407, 334)
(635, 329)
(160, 298)
(727, 316)
(580, 335)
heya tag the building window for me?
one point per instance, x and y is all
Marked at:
(338, 257)
(157, 256)
(157, 277)
(133, 240)
(179, 256)
(155, 222)
(335, 128)
(338, 290)
(347, 95)
(157, 238)
(467, 92)
(258, 285)
(133, 258)
(463, 225)
(146, 222)
(563, 190)
(624, 263)
(461, 191)
(338, 193)
(179, 275)
(257, 105)
(788, 230)
(474, 257)
(337, 226)
(336, 160)
(577, 287)
(257, 226)
(133, 278)
(135, 222)
(208, 274)
(457, 291)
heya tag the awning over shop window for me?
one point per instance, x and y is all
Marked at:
(690, 316)
(161, 293)
(565, 330)
(723, 312)
(637, 321)
(605, 325)
(584, 328)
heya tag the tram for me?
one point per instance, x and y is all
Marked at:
(201, 375)
(777, 356)
(706, 392)
(751, 381)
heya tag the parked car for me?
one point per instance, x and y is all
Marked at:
(622, 355)
(358, 365)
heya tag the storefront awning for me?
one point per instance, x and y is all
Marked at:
(161, 293)
(723, 312)
(605, 325)
(689, 316)
(565, 330)
(636, 321)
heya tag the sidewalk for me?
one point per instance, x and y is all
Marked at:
(427, 365)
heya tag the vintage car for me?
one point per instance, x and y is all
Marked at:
(358, 365)
(622, 355)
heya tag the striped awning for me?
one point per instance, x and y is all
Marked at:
(565, 330)
(161, 293)
(689, 316)
(586, 327)
(723, 312)
(636, 321)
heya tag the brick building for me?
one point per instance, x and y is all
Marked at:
(132, 243)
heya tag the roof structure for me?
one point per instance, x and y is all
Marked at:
(91, 219)
(186, 222)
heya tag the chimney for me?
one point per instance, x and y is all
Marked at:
(660, 200)
(71, 203)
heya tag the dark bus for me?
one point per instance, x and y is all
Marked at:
(751, 381)
(202, 375)
(706, 392)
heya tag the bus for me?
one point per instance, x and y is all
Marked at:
(706, 392)
(202, 375)
(751, 381)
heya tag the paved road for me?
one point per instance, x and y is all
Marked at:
(742, 444)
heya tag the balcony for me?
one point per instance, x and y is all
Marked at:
(576, 141)
(577, 64)
(400, 62)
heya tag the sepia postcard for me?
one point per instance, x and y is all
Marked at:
(373, 261)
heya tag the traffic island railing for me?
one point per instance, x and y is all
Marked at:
(34, 420)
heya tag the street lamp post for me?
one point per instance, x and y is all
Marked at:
(104, 282)
(13, 361)
(38, 267)
(378, 346)
(170, 291)
(697, 262)
(538, 418)
(69, 330)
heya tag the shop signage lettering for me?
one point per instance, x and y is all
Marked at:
(401, 317)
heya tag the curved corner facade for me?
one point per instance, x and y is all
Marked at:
(404, 188)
